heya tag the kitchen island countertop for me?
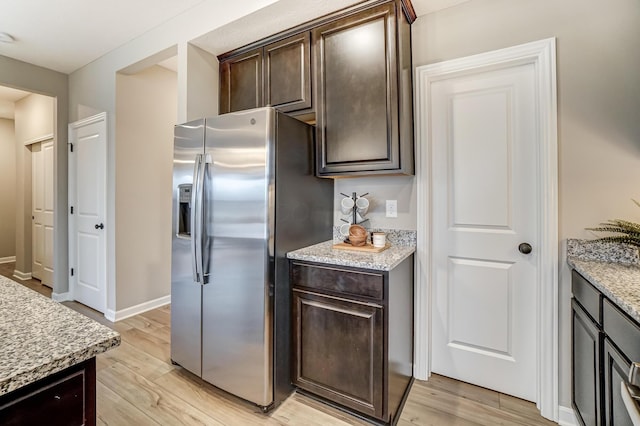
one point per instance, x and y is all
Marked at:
(41, 337)
(325, 253)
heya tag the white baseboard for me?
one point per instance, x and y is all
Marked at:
(21, 275)
(566, 416)
(61, 297)
(7, 259)
(114, 316)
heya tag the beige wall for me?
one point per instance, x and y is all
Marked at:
(34, 117)
(146, 105)
(7, 189)
(21, 75)
(598, 59)
(381, 188)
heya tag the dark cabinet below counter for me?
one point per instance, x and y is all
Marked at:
(62, 399)
(604, 342)
(353, 336)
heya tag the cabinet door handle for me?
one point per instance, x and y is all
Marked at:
(634, 374)
(100, 226)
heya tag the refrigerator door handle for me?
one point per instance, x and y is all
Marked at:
(196, 203)
(204, 238)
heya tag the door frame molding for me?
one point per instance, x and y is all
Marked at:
(541, 54)
(101, 117)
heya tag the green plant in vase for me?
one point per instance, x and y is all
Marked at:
(630, 231)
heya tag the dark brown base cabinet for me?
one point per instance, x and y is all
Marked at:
(586, 378)
(66, 398)
(353, 336)
(604, 342)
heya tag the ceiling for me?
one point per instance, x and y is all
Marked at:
(92, 28)
(8, 97)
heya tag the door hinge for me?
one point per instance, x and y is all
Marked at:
(71, 271)
(71, 146)
(71, 209)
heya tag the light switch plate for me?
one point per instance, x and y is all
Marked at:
(392, 208)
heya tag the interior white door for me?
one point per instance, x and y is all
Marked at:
(42, 191)
(87, 198)
(484, 187)
(37, 206)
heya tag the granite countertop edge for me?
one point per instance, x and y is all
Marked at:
(612, 279)
(23, 378)
(42, 337)
(326, 254)
(612, 268)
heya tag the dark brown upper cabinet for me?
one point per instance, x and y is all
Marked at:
(241, 82)
(349, 73)
(363, 93)
(277, 74)
(287, 65)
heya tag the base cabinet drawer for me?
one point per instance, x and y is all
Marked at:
(338, 281)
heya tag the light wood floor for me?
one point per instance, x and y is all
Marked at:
(138, 385)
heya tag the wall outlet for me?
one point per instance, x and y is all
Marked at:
(392, 208)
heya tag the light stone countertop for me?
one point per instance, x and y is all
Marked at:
(40, 337)
(620, 282)
(612, 269)
(325, 253)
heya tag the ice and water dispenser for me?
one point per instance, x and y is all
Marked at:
(184, 210)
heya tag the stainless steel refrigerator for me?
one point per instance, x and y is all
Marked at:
(244, 193)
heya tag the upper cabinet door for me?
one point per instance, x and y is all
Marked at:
(241, 82)
(357, 109)
(288, 73)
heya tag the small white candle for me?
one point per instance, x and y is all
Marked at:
(379, 239)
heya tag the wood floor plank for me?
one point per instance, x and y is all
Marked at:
(157, 403)
(464, 408)
(301, 410)
(113, 410)
(464, 390)
(136, 360)
(148, 343)
(215, 403)
(418, 414)
(159, 315)
(523, 408)
(149, 326)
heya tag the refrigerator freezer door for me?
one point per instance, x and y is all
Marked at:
(186, 294)
(236, 322)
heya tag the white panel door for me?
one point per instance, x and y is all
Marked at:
(87, 187)
(484, 193)
(37, 208)
(42, 190)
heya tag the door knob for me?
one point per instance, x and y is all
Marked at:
(525, 248)
(101, 226)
